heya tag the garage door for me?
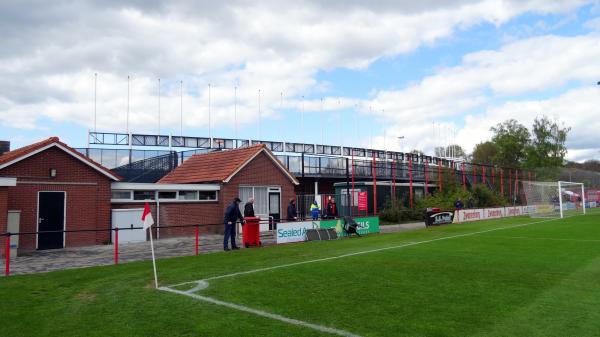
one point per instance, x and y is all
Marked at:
(125, 219)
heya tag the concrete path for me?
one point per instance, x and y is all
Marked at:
(69, 258)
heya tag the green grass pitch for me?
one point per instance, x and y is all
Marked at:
(508, 277)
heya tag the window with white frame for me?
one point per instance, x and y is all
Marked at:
(166, 196)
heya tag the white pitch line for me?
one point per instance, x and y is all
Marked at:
(263, 313)
(536, 238)
(203, 284)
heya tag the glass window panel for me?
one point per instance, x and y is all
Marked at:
(167, 195)
(143, 195)
(207, 195)
(188, 195)
(116, 194)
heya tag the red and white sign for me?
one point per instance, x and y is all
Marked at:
(494, 213)
(465, 215)
(362, 201)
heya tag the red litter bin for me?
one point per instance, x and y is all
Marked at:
(251, 232)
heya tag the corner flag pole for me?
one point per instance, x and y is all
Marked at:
(153, 259)
(148, 221)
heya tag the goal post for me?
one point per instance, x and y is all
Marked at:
(553, 199)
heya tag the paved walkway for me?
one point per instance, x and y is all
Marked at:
(69, 258)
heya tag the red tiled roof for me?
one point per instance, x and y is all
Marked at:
(216, 166)
(16, 155)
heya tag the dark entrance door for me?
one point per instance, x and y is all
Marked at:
(274, 209)
(51, 217)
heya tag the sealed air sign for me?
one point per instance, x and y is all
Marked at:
(294, 231)
(438, 218)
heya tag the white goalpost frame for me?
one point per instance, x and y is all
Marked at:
(560, 202)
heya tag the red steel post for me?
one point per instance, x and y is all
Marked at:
(393, 181)
(474, 175)
(426, 177)
(502, 181)
(483, 174)
(410, 177)
(374, 185)
(510, 183)
(117, 245)
(7, 255)
(352, 205)
(440, 180)
(197, 239)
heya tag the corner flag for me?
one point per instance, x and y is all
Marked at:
(148, 222)
(147, 217)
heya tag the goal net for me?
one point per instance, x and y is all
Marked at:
(546, 199)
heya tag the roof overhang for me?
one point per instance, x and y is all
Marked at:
(8, 182)
(164, 187)
(273, 159)
(109, 174)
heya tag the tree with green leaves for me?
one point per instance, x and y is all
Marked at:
(547, 148)
(484, 153)
(511, 139)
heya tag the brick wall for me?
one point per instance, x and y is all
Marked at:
(261, 171)
(88, 195)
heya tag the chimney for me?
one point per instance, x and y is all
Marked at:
(4, 146)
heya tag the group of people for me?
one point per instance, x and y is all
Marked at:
(458, 204)
(315, 210)
(233, 215)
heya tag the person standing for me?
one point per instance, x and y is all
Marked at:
(249, 208)
(332, 208)
(232, 215)
(292, 214)
(314, 210)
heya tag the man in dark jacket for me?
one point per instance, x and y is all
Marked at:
(292, 215)
(232, 214)
(249, 208)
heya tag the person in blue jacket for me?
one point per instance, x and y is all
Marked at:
(232, 215)
(314, 210)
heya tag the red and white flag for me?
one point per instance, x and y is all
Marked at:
(147, 217)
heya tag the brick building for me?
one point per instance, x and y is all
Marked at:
(200, 189)
(48, 186)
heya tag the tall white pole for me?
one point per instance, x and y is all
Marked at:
(322, 124)
(302, 121)
(181, 109)
(159, 106)
(153, 258)
(127, 123)
(235, 112)
(95, 98)
(560, 203)
(259, 114)
(371, 131)
(209, 113)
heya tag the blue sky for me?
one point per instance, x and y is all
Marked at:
(435, 73)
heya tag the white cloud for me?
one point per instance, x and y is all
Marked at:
(49, 54)
(526, 67)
